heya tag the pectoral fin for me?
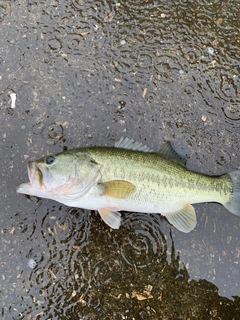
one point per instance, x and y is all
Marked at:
(111, 218)
(119, 189)
(184, 220)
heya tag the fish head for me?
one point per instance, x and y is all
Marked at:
(65, 174)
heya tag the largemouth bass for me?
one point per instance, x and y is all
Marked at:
(130, 177)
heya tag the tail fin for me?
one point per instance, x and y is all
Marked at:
(233, 204)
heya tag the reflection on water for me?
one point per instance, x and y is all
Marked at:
(86, 73)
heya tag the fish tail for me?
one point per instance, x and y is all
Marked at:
(233, 204)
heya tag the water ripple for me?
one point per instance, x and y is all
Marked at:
(150, 70)
(144, 239)
(169, 66)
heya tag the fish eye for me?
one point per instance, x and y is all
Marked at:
(50, 159)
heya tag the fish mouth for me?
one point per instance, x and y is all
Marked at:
(35, 175)
(35, 184)
(41, 181)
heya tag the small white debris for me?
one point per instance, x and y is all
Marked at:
(210, 50)
(13, 98)
(32, 263)
(122, 42)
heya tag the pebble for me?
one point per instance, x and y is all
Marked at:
(32, 263)
(13, 100)
(210, 50)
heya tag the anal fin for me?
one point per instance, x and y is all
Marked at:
(110, 217)
(185, 219)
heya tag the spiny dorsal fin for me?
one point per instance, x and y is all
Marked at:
(126, 143)
(167, 149)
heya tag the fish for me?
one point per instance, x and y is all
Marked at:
(130, 177)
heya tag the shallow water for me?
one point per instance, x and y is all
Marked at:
(87, 73)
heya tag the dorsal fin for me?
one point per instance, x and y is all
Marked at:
(167, 149)
(126, 143)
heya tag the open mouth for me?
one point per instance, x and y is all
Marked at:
(35, 175)
(35, 186)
